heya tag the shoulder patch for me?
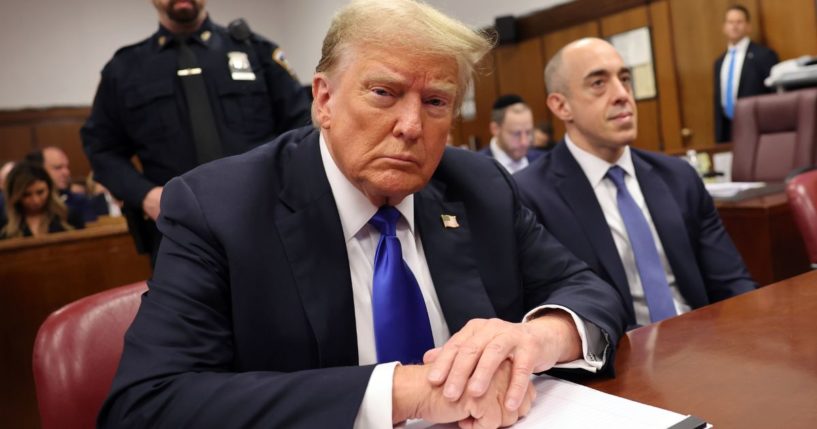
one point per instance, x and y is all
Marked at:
(279, 57)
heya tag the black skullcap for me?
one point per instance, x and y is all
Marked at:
(506, 100)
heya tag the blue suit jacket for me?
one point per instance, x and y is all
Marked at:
(706, 265)
(249, 320)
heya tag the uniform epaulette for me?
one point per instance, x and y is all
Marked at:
(125, 48)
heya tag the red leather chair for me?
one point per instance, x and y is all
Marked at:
(802, 193)
(76, 354)
(774, 134)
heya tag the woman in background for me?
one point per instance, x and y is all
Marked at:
(32, 205)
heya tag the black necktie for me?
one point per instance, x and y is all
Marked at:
(202, 122)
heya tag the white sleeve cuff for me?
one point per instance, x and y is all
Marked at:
(375, 410)
(591, 361)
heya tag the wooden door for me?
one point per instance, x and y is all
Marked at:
(476, 130)
(520, 70)
(648, 114)
(790, 27)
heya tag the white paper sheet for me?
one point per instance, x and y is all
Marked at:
(730, 189)
(565, 405)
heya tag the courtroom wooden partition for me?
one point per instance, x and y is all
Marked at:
(22, 131)
(37, 277)
(686, 38)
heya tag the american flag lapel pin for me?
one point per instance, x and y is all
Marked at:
(450, 221)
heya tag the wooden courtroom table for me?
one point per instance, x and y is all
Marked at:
(38, 275)
(765, 234)
(747, 362)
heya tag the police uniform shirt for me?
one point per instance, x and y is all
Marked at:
(140, 107)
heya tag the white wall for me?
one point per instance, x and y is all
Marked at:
(51, 51)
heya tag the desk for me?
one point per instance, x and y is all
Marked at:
(765, 234)
(38, 275)
(747, 362)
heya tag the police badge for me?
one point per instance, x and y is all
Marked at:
(240, 67)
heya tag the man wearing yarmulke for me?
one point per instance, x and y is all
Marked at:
(512, 128)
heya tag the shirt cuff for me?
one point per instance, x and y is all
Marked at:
(591, 362)
(375, 409)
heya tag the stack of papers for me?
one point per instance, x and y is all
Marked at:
(565, 405)
(742, 190)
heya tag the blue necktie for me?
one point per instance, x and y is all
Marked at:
(647, 261)
(729, 106)
(401, 327)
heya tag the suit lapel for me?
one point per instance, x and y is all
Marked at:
(575, 190)
(450, 259)
(669, 223)
(307, 220)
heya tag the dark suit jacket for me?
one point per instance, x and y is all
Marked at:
(706, 265)
(756, 68)
(532, 154)
(249, 320)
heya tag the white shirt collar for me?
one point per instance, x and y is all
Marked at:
(742, 45)
(509, 163)
(596, 168)
(354, 208)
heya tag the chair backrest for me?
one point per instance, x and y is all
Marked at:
(773, 134)
(802, 194)
(76, 354)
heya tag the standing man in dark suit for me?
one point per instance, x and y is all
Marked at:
(292, 279)
(192, 92)
(739, 71)
(512, 130)
(642, 220)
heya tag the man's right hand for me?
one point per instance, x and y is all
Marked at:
(414, 397)
(150, 205)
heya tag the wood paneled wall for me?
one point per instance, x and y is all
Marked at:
(22, 131)
(686, 39)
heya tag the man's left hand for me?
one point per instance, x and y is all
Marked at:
(470, 358)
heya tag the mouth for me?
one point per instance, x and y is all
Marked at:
(183, 4)
(401, 159)
(621, 117)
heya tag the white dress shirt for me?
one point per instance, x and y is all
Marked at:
(740, 55)
(509, 163)
(595, 169)
(355, 210)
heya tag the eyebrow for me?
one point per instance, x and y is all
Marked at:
(604, 72)
(387, 78)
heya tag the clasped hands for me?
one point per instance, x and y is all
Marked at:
(480, 378)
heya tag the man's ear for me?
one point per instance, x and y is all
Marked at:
(557, 103)
(494, 129)
(322, 96)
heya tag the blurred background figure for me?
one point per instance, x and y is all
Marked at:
(543, 137)
(512, 130)
(740, 70)
(5, 168)
(55, 162)
(33, 207)
(101, 198)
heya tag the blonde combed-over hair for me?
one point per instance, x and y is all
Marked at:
(408, 26)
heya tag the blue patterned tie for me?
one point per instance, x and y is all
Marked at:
(729, 107)
(401, 327)
(647, 261)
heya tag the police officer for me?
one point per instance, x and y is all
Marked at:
(190, 93)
